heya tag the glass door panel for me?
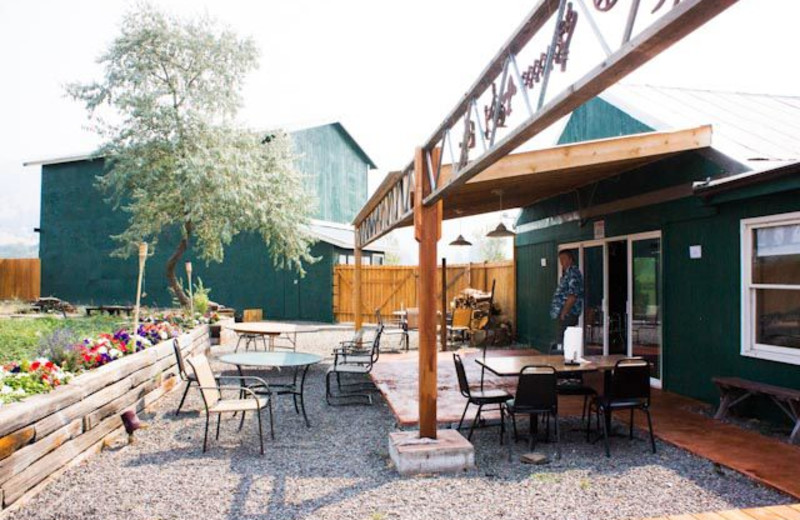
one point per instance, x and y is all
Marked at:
(617, 297)
(593, 317)
(646, 302)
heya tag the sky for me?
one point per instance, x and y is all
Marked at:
(390, 71)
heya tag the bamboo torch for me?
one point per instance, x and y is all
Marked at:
(191, 292)
(142, 259)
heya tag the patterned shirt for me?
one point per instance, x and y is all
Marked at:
(571, 283)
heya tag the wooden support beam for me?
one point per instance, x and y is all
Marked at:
(427, 231)
(443, 322)
(359, 320)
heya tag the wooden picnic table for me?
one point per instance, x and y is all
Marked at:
(268, 332)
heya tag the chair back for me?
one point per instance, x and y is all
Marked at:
(376, 344)
(378, 317)
(462, 317)
(463, 384)
(205, 378)
(630, 380)
(537, 389)
(176, 346)
(412, 318)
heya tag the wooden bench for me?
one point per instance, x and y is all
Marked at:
(734, 390)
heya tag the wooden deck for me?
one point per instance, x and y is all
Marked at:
(676, 420)
(762, 513)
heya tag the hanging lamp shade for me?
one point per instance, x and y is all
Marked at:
(501, 231)
(460, 241)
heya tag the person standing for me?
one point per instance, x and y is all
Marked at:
(567, 303)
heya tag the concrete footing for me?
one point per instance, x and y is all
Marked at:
(450, 452)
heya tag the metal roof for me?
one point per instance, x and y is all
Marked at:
(757, 130)
(341, 235)
(289, 128)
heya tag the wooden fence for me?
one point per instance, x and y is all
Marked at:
(390, 288)
(20, 278)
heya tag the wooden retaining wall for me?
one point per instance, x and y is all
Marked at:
(46, 433)
(391, 287)
(20, 278)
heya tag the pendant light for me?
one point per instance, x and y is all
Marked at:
(501, 231)
(460, 241)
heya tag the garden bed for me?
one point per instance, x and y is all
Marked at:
(44, 433)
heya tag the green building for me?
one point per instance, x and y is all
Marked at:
(692, 261)
(76, 227)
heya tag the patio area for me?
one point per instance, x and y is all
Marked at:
(340, 468)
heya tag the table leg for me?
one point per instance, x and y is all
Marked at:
(271, 343)
(302, 402)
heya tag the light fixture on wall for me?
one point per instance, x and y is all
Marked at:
(460, 241)
(501, 231)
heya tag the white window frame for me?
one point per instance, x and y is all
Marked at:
(749, 347)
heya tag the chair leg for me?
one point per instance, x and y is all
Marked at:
(328, 388)
(474, 422)
(558, 435)
(534, 430)
(583, 411)
(605, 432)
(260, 430)
(271, 420)
(241, 421)
(205, 437)
(219, 420)
(185, 393)
(514, 425)
(650, 427)
(502, 424)
(630, 432)
(462, 416)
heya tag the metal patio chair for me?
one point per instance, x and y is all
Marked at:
(536, 395)
(352, 359)
(211, 392)
(480, 398)
(627, 388)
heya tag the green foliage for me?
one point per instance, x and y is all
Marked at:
(176, 157)
(490, 249)
(200, 297)
(22, 338)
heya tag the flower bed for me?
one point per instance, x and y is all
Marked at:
(21, 379)
(65, 423)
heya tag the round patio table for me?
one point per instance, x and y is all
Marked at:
(299, 361)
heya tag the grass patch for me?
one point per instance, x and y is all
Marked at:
(20, 337)
(545, 477)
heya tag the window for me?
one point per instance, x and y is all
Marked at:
(377, 259)
(771, 287)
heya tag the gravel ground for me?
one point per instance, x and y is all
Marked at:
(340, 469)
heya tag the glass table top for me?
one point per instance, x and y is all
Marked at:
(271, 359)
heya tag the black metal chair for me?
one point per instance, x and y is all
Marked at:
(480, 398)
(352, 359)
(537, 394)
(627, 388)
(571, 383)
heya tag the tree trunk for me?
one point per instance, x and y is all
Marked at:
(172, 280)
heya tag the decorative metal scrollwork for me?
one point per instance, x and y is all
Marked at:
(604, 5)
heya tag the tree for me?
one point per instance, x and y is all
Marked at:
(174, 154)
(489, 249)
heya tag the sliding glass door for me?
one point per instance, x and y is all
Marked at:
(645, 301)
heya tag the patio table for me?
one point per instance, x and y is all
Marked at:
(299, 361)
(508, 366)
(267, 332)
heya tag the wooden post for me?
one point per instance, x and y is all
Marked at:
(443, 322)
(427, 231)
(142, 259)
(358, 320)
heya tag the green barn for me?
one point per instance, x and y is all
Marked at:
(76, 227)
(691, 260)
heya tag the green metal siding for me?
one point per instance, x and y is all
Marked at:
(338, 173)
(598, 119)
(77, 225)
(701, 298)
